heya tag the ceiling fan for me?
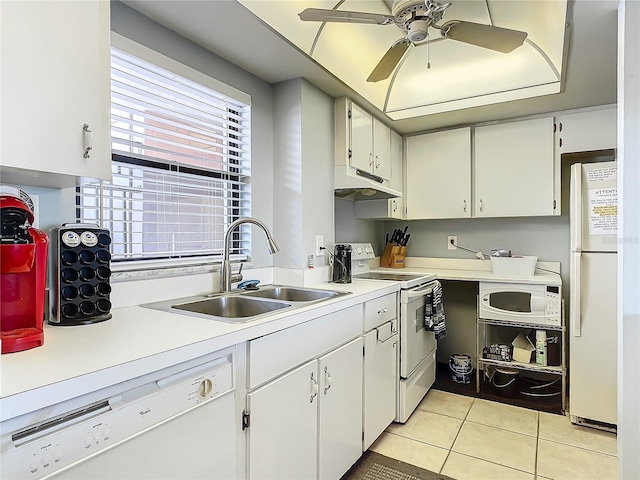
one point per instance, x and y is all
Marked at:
(415, 17)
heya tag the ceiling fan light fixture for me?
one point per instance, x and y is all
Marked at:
(418, 31)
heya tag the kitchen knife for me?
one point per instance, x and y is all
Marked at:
(386, 239)
(406, 240)
(396, 235)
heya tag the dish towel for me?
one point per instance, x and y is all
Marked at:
(434, 320)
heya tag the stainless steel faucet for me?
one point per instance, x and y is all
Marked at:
(225, 275)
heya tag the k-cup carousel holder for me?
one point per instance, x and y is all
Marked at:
(82, 257)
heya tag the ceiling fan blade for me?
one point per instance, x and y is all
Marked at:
(389, 61)
(323, 15)
(494, 38)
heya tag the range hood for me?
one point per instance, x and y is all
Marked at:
(353, 183)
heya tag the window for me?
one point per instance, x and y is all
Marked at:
(180, 165)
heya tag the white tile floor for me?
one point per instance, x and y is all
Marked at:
(471, 438)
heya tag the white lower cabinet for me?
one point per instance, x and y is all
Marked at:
(380, 373)
(307, 423)
(283, 431)
(340, 410)
(304, 400)
(380, 366)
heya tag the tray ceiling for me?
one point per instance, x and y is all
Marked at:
(460, 75)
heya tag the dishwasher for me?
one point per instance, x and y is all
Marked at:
(178, 422)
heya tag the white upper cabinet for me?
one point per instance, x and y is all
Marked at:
(514, 169)
(55, 79)
(586, 131)
(370, 144)
(396, 180)
(438, 175)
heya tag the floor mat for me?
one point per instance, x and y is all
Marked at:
(373, 466)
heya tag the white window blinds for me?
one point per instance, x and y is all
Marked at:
(181, 166)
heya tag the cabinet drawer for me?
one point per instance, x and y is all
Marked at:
(380, 310)
(274, 354)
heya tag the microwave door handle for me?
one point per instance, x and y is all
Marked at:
(537, 304)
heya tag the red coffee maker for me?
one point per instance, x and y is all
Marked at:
(23, 273)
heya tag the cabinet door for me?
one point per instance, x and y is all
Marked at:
(514, 169)
(586, 131)
(438, 175)
(361, 139)
(55, 78)
(381, 150)
(380, 382)
(282, 436)
(397, 180)
(340, 435)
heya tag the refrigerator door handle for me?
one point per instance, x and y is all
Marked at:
(575, 203)
(576, 283)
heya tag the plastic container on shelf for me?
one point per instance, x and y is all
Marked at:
(519, 266)
(541, 348)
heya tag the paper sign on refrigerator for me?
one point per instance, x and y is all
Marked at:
(603, 211)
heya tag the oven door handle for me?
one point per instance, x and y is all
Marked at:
(419, 292)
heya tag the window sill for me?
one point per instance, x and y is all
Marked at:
(127, 271)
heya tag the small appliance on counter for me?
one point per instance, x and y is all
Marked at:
(23, 264)
(342, 264)
(80, 287)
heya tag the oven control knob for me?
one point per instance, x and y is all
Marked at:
(368, 250)
(205, 388)
(359, 250)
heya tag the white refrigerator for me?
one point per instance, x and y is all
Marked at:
(593, 293)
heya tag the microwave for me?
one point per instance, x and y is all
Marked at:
(521, 303)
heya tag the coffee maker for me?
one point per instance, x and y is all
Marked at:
(342, 264)
(23, 268)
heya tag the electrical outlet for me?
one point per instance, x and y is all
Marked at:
(451, 240)
(319, 244)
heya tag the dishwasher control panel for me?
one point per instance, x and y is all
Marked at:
(46, 447)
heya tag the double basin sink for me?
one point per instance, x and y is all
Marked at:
(245, 306)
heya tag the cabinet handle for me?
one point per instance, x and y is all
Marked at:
(464, 205)
(377, 161)
(87, 140)
(481, 206)
(327, 380)
(383, 310)
(314, 388)
(395, 206)
(371, 160)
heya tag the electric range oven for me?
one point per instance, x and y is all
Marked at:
(417, 346)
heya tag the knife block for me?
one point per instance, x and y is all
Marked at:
(393, 256)
(397, 257)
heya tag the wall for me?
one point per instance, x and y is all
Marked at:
(351, 229)
(303, 171)
(629, 258)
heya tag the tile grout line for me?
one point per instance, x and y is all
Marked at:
(580, 448)
(504, 429)
(535, 458)
(456, 437)
(495, 463)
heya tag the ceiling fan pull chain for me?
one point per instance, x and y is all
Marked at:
(428, 52)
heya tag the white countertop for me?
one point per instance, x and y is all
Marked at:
(80, 359)
(477, 270)
(136, 341)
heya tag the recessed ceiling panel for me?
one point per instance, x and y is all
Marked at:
(461, 75)
(460, 71)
